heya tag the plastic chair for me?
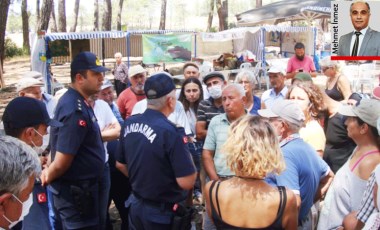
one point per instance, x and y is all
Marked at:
(246, 65)
(206, 68)
(352, 73)
(366, 76)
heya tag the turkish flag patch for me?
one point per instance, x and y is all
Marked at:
(185, 140)
(82, 123)
(41, 197)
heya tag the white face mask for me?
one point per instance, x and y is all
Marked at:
(39, 150)
(215, 91)
(25, 210)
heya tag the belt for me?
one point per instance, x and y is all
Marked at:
(156, 204)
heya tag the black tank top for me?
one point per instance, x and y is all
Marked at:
(334, 93)
(221, 225)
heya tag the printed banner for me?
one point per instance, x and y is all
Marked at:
(166, 48)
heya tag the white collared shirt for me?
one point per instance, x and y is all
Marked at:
(361, 37)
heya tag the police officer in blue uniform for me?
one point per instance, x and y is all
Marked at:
(78, 156)
(154, 154)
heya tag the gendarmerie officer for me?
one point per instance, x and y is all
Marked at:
(78, 156)
(154, 154)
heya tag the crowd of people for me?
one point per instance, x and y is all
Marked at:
(298, 157)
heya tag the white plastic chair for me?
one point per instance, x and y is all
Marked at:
(366, 76)
(352, 73)
(246, 65)
(206, 68)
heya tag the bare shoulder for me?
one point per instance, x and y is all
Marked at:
(367, 165)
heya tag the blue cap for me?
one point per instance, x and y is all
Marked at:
(87, 61)
(24, 112)
(158, 85)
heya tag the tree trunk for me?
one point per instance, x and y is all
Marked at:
(163, 15)
(76, 10)
(259, 3)
(62, 15)
(119, 14)
(96, 15)
(25, 26)
(222, 9)
(107, 16)
(4, 6)
(210, 15)
(43, 24)
(53, 22)
(38, 15)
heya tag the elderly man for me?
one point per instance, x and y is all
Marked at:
(19, 166)
(306, 173)
(120, 72)
(129, 97)
(107, 94)
(278, 90)
(300, 62)
(153, 153)
(27, 119)
(77, 150)
(214, 161)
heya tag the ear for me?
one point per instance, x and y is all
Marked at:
(3, 201)
(244, 99)
(21, 93)
(364, 128)
(79, 78)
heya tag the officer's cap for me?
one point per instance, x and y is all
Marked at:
(87, 61)
(24, 112)
(158, 85)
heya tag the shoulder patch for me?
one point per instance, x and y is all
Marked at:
(82, 123)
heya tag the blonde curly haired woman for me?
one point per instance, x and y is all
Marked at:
(247, 200)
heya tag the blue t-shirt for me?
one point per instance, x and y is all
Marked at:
(304, 170)
(256, 105)
(155, 153)
(79, 136)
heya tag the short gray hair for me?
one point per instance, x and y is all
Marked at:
(18, 162)
(239, 88)
(159, 103)
(248, 74)
(118, 54)
(294, 127)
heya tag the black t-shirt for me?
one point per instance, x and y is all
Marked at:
(339, 146)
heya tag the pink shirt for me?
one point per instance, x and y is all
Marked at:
(306, 64)
(127, 99)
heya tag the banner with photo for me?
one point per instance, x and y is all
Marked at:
(166, 48)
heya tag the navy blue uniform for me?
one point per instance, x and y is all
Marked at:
(155, 153)
(79, 136)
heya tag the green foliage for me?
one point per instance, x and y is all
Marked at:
(11, 49)
(59, 48)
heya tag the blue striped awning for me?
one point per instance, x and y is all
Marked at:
(85, 35)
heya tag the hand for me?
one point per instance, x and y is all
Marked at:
(108, 127)
(44, 177)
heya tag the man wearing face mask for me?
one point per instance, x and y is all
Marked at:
(211, 107)
(19, 168)
(129, 97)
(27, 119)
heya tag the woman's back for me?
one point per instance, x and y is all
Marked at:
(251, 204)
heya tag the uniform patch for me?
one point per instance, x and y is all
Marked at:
(82, 123)
(185, 139)
(41, 197)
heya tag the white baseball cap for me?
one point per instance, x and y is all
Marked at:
(134, 70)
(276, 69)
(288, 110)
(28, 82)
